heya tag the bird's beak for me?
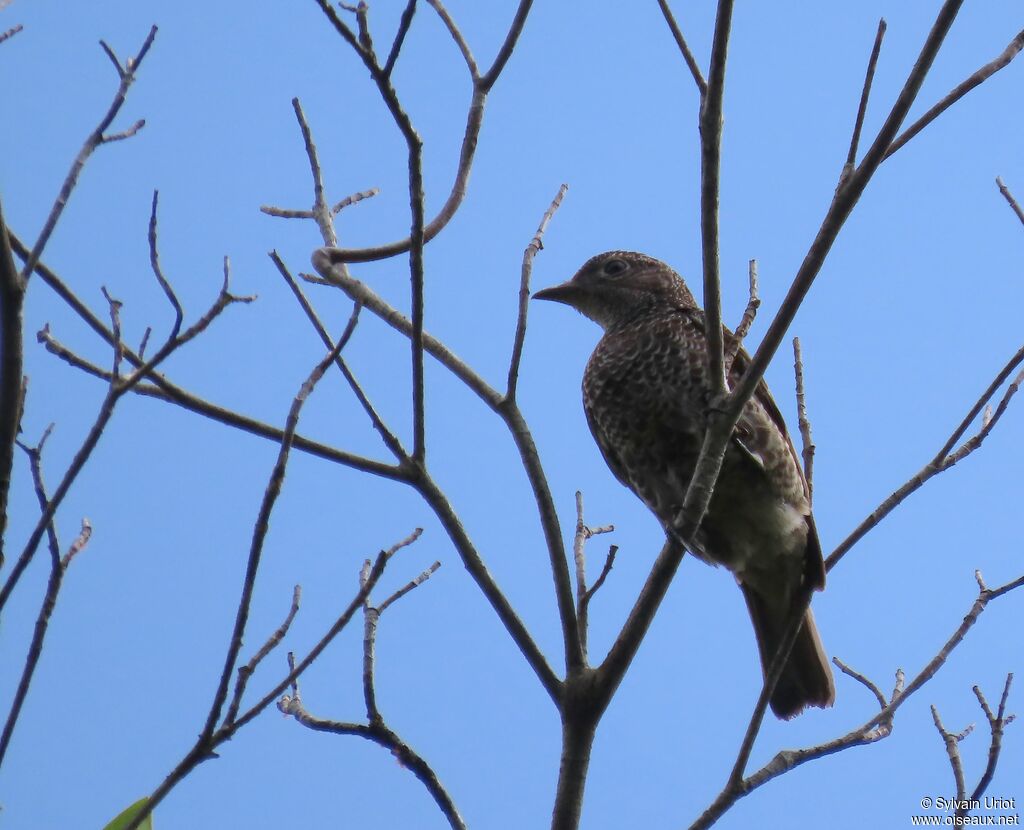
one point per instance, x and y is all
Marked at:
(566, 293)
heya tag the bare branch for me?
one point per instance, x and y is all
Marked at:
(389, 438)
(773, 674)
(110, 138)
(11, 32)
(474, 119)
(154, 261)
(58, 567)
(355, 198)
(204, 746)
(321, 212)
(262, 525)
(1009, 199)
(361, 293)
(996, 723)
(691, 61)
(389, 740)
(94, 140)
(114, 59)
(958, 92)
(609, 563)
(403, 29)
(460, 41)
(536, 244)
(405, 589)
(733, 346)
(435, 498)
(12, 358)
(851, 156)
(864, 681)
(953, 751)
(84, 535)
(490, 77)
(582, 535)
(710, 170)
(946, 457)
(842, 205)
(804, 422)
(474, 564)
(875, 729)
(273, 641)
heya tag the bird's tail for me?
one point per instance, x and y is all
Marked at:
(806, 678)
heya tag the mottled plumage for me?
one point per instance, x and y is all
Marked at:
(645, 390)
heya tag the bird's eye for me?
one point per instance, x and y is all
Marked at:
(614, 267)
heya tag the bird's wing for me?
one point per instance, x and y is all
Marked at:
(814, 571)
(611, 458)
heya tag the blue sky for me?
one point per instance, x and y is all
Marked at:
(915, 311)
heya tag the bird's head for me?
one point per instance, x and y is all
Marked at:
(614, 287)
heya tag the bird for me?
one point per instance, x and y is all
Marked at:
(645, 394)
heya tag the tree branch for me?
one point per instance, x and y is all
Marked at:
(94, 140)
(684, 49)
(875, 729)
(12, 358)
(869, 77)
(958, 92)
(261, 527)
(946, 457)
(710, 170)
(536, 244)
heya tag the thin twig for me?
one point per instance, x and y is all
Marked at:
(370, 617)
(536, 244)
(490, 77)
(482, 85)
(203, 749)
(12, 377)
(381, 735)
(773, 674)
(354, 199)
(1011, 201)
(875, 729)
(528, 454)
(58, 567)
(389, 438)
(260, 528)
(851, 156)
(321, 212)
(948, 456)
(410, 585)
(109, 138)
(273, 641)
(997, 723)
(691, 61)
(403, 29)
(734, 344)
(81, 540)
(163, 389)
(361, 293)
(609, 563)
(154, 261)
(710, 171)
(94, 140)
(864, 681)
(806, 440)
(958, 92)
(11, 32)
(951, 740)
(460, 41)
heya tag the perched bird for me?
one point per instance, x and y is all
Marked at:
(645, 390)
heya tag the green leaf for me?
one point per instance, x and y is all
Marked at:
(125, 818)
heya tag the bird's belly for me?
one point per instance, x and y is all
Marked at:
(752, 531)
